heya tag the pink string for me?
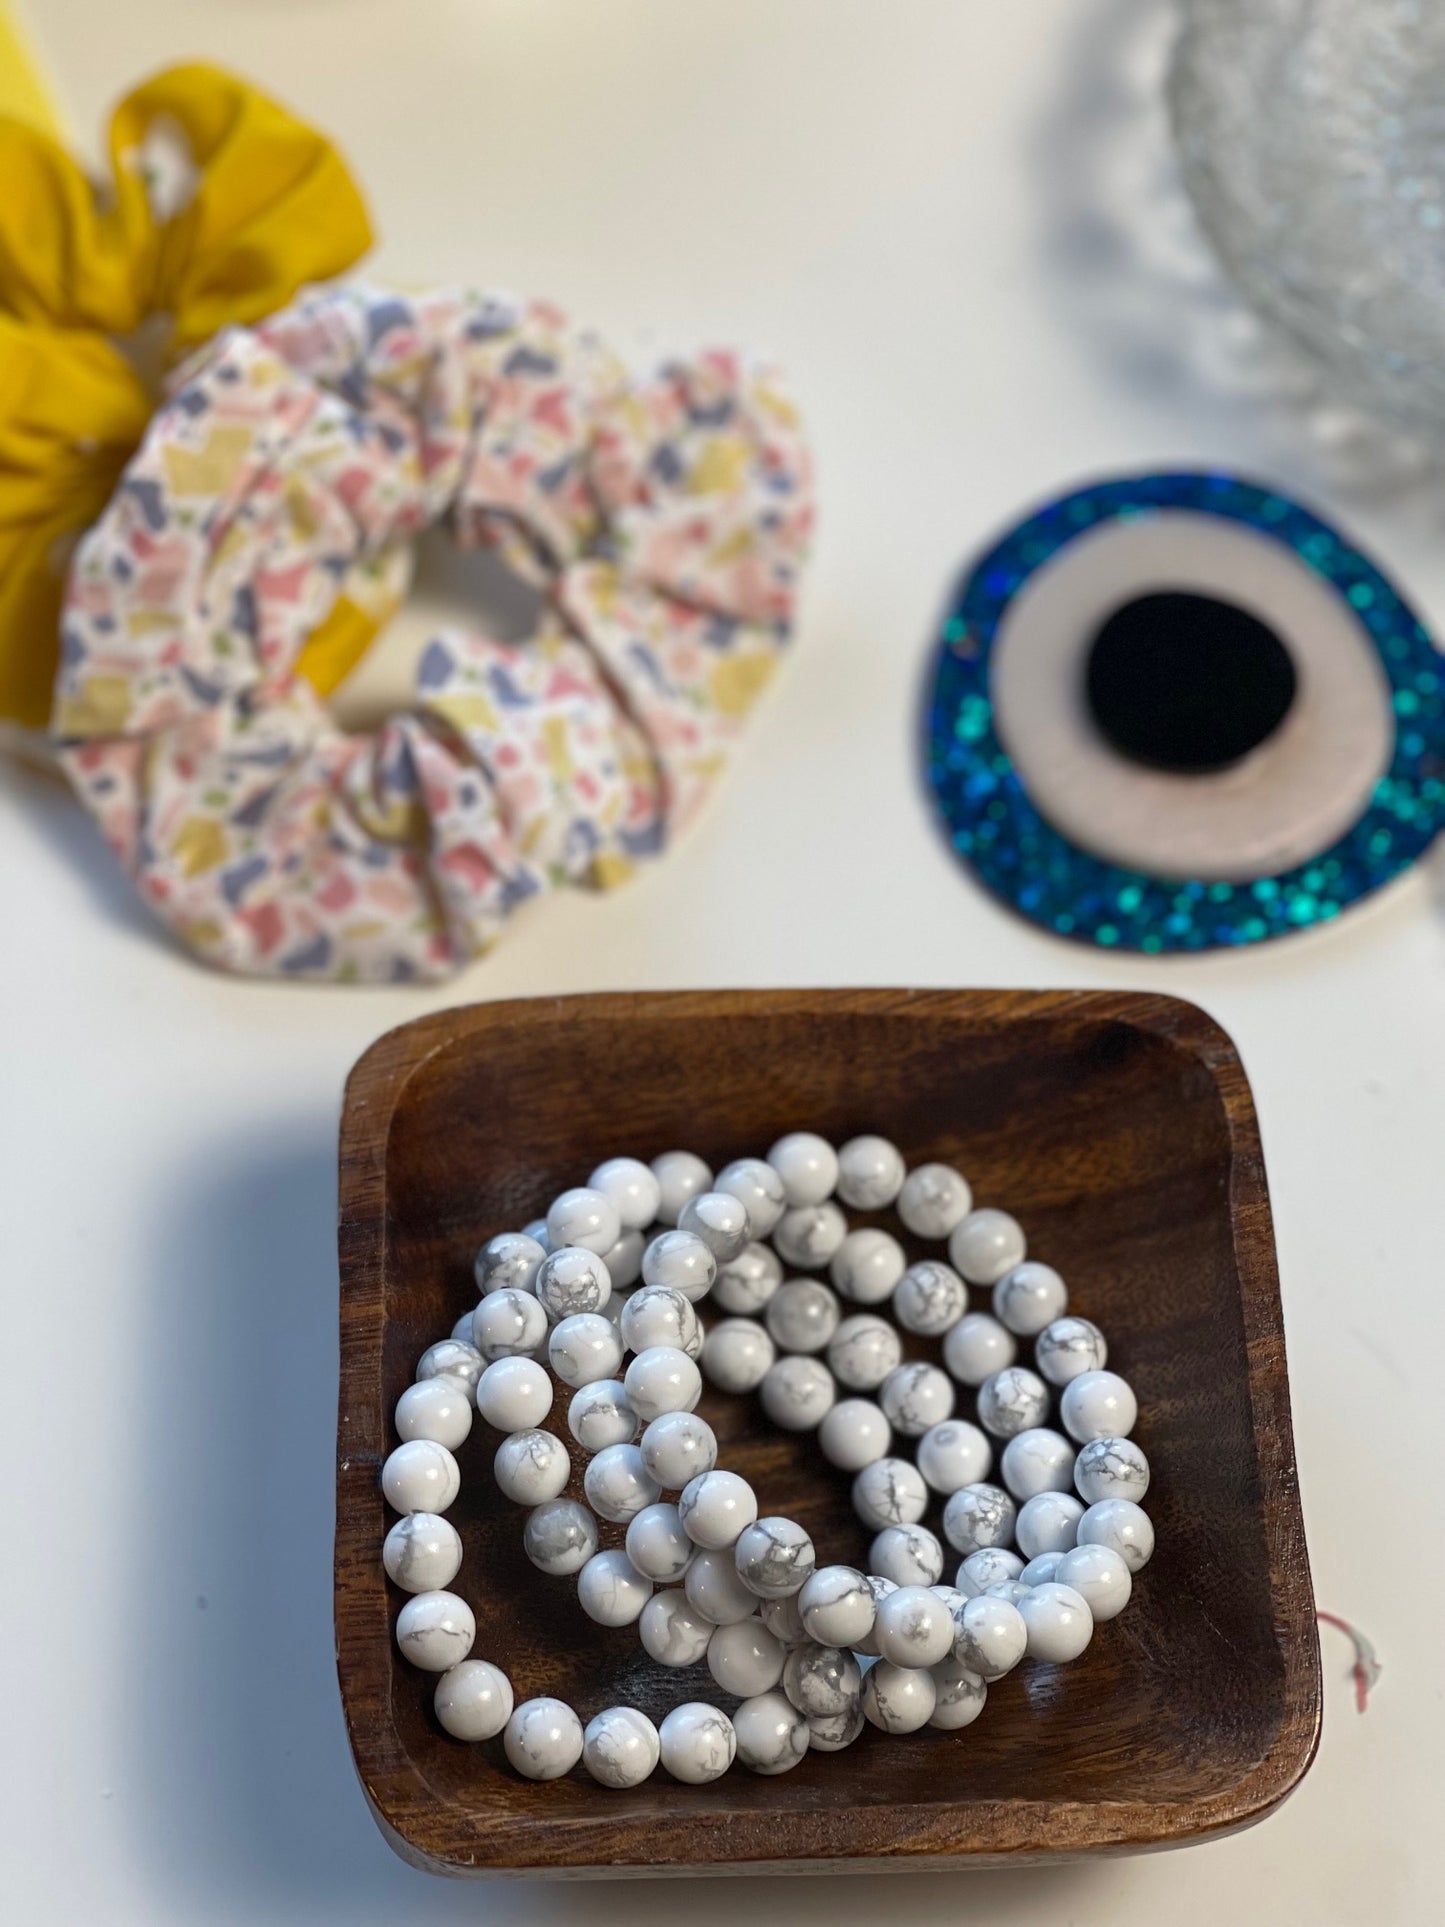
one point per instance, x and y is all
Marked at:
(1367, 1669)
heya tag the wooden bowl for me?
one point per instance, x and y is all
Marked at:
(1121, 1131)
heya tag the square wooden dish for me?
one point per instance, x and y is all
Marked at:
(1121, 1131)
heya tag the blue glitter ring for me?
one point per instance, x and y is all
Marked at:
(993, 825)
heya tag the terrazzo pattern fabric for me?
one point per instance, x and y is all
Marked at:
(664, 520)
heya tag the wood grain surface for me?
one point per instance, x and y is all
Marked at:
(1120, 1129)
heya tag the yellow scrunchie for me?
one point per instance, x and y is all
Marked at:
(223, 205)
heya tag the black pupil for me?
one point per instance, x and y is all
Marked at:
(1187, 682)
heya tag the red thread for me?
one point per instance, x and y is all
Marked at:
(1367, 1669)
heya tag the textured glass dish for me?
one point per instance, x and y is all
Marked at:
(1311, 134)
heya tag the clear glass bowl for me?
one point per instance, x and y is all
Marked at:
(1311, 134)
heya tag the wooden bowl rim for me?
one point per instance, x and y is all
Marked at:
(978, 1831)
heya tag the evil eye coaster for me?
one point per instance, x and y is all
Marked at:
(1180, 711)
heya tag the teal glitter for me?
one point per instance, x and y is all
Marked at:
(992, 822)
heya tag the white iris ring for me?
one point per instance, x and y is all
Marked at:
(1294, 795)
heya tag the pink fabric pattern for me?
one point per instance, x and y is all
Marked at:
(665, 521)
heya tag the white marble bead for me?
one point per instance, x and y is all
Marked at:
(831, 1732)
(420, 1476)
(679, 1176)
(867, 1265)
(1037, 1460)
(950, 1595)
(720, 1220)
(537, 1232)
(913, 1628)
(677, 1447)
(807, 1165)
(583, 1217)
(1030, 1298)
(1049, 1522)
(796, 1392)
(1012, 1401)
(929, 1298)
(802, 1316)
(698, 1743)
(514, 1394)
(745, 1285)
(933, 1199)
(543, 1739)
(1058, 1622)
(714, 1590)
(632, 1188)
(531, 1467)
(890, 1492)
(509, 1323)
(1068, 1347)
(960, 1696)
(572, 1279)
(435, 1408)
(657, 1544)
(986, 1245)
(508, 1262)
(737, 1355)
(879, 1588)
(462, 1329)
(624, 1265)
(782, 1619)
(908, 1555)
(662, 1379)
(744, 1658)
(422, 1552)
(1038, 1572)
(952, 1454)
(672, 1633)
(620, 1747)
(990, 1637)
(758, 1189)
(1100, 1577)
(1123, 1527)
(451, 1358)
(618, 1484)
(772, 1735)
(853, 1434)
(599, 1416)
(1111, 1468)
(585, 1348)
(559, 1537)
(1096, 1405)
(657, 1315)
(610, 1589)
(435, 1630)
(989, 1566)
(863, 1351)
(870, 1173)
(915, 1397)
(836, 1607)
(898, 1699)
(473, 1700)
(978, 1515)
(715, 1507)
(774, 1558)
(823, 1681)
(681, 1261)
(808, 1236)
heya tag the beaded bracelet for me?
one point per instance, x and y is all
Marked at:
(811, 1652)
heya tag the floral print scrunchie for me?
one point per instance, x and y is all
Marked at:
(665, 521)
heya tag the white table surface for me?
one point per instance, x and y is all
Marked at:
(938, 214)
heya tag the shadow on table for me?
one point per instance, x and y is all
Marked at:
(241, 1773)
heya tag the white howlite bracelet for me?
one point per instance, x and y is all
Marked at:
(1039, 1490)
